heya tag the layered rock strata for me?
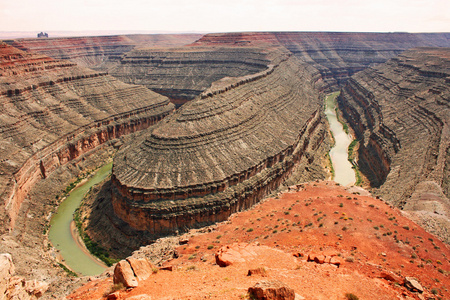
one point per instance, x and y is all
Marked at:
(336, 55)
(183, 73)
(54, 112)
(400, 112)
(100, 52)
(220, 153)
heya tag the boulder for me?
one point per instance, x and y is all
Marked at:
(235, 253)
(258, 271)
(271, 290)
(391, 277)
(318, 258)
(142, 268)
(336, 261)
(413, 285)
(123, 273)
(113, 296)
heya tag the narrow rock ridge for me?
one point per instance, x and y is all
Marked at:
(220, 153)
(100, 52)
(337, 55)
(400, 112)
(183, 73)
(54, 112)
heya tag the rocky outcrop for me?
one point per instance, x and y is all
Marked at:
(336, 55)
(235, 253)
(54, 112)
(220, 153)
(400, 112)
(183, 73)
(131, 271)
(100, 52)
(14, 287)
(271, 290)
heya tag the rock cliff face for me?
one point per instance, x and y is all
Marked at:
(101, 52)
(337, 55)
(400, 112)
(183, 73)
(55, 111)
(222, 152)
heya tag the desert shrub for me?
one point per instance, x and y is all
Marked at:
(350, 296)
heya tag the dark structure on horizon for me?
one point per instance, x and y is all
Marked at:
(42, 35)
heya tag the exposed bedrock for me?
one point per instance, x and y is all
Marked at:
(221, 152)
(183, 73)
(100, 52)
(337, 55)
(400, 112)
(54, 112)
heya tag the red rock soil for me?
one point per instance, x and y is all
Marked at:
(367, 234)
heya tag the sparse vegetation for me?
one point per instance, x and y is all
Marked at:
(93, 247)
(351, 296)
(68, 271)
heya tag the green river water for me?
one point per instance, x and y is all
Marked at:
(344, 174)
(74, 255)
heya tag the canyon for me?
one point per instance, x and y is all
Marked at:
(399, 112)
(99, 52)
(250, 122)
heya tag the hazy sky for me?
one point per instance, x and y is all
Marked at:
(226, 15)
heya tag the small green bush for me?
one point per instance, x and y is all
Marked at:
(351, 296)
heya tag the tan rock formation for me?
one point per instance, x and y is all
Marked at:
(183, 73)
(222, 152)
(271, 290)
(15, 287)
(142, 268)
(123, 273)
(100, 52)
(54, 112)
(335, 55)
(400, 112)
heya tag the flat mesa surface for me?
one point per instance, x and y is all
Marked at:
(368, 235)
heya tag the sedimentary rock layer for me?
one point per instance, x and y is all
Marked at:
(100, 52)
(183, 73)
(337, 55)
(400, 111)
(221, 152)
(54, 111)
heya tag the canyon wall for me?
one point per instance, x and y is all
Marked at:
(221, 152)
(183, 73)
(99, 52)
(55, 111)
(336, 55)
(400, 113)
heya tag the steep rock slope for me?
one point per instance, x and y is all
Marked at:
(337, 55)
(183, 73)
(100, 52)
(221, 152)
(400, 112)
(53, 112)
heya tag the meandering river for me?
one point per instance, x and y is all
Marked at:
(344, 174)
(77, 258)
(61, 234)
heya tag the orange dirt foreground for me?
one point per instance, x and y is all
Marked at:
(376, 245)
